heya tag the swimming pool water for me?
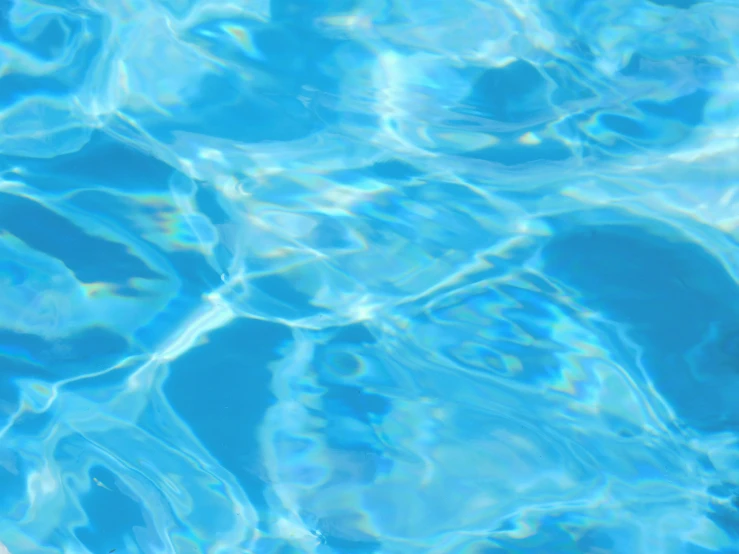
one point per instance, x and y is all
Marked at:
(369, 276)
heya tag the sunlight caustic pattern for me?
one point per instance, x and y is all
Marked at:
(388, 276)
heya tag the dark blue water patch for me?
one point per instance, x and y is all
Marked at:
(10, 369)
(333, 544)
(393, 169)
(222, 390)
(728, 344)
(724, 491)
(727, 518)
(194, 272)
(687, 109)
(92, 259)
(581, 47)
(16, 87)
(350, 176)
(303, 57)
(633, 67)
(516, 94)
(623, 125)
(269, 545)
(197, 278)
(19, 356)
(625, 265)
(285, 291)
(718, 352)
(102, 161)
(596, 540)
(191, 266)
(207, 201)
(51, 41)
(5, 27)
(512, 154)
(681, 4)
(154, 333)
(29, 355)
(12, 483)
(668, 293)
(112, 516)
(351, 400)
(354, 334)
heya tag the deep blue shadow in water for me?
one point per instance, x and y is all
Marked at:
(624, 126)
(108, 528)
(207, 202)
(14, 88)
(354, 334)
(13, 485)
(284, 291)
(91, 258)
(683, 4)
(197, 278)
(336, 545)
(102, 161)
(515, 94)
(688, 108)
(393, 169)
(353, 401)
(511, 153)
(32, 356)
(677, 303)
(222, 390)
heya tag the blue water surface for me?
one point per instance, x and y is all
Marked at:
(369, 276)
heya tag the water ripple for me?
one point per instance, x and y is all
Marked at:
(371, 276)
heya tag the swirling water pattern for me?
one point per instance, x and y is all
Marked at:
(378, 276)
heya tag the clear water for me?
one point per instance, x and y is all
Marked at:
(369, 276)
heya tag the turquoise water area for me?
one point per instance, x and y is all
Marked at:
(369, 276)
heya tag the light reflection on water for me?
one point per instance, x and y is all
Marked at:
(372, 276)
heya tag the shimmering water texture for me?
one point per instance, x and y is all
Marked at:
(372, 276)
